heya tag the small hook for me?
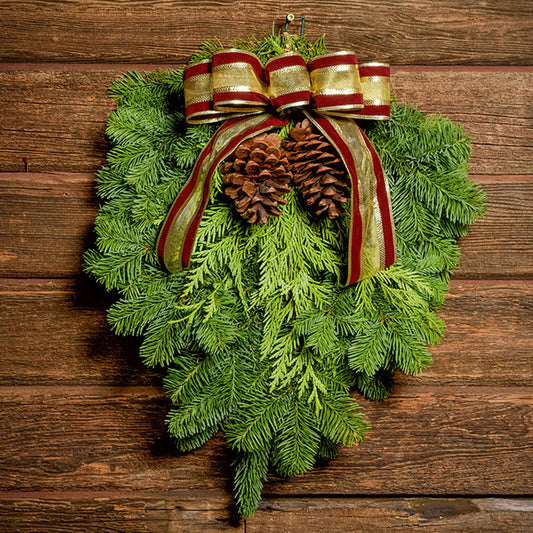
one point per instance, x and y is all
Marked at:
(290, 17)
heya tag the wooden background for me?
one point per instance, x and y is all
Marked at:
(83, 442)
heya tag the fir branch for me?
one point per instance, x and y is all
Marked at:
(340, 421)
(377, 386)
(254, 427)
(297, 440)
(250, 472)
(327, 450)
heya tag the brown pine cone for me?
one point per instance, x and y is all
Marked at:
(255, 176)
(317, 170)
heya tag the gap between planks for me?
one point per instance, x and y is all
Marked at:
(137, 494)
(99, 67)
(22, 285)
(83, 177)
(517, 394)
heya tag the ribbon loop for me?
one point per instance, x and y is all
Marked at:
(198, 91)
(375, 84)
(238, 84)
(289, 81)
(336, 85)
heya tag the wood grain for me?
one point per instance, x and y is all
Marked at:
(55, 119)
(488, 337)
(102, 439)
(381, 515)
(46, 223)
(433, 441)
(418, 32)
(495, 106)
(295, 515)
(66, 331)
(104, 514)
(425, 440)
(489, 325)
(502, 237)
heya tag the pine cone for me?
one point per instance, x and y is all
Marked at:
(255, 176)
(317, 170)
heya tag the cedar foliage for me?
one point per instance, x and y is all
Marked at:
(256, 336)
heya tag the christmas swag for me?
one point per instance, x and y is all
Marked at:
(259, 259)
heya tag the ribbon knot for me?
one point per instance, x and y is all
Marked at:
(331, 90)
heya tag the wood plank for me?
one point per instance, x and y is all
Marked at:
(46, 223)
(157, 514)
(384, 515)
(419, 32)
(432, 441)
(424, 441)
(66, 337)
(503, 141)
(488, 338)
(103, 439)
(54, 120)
(500, 237)
(112, 514)
(489, 324)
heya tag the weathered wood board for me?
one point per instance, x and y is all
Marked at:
(64, 321)
(46, 223)
(423, 32)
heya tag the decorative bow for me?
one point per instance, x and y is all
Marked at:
(234, 87)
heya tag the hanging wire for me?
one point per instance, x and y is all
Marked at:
(290, 17)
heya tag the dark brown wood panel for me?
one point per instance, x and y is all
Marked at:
(54, 120)
(380, 515)
(420, 31)
(64, 337)
(102, 439)
(447, 515)
(425, 440)
(46, 223)
(164, 513)
(433, 441)
(502, 238)
(488, 338)
(488, 341)
(494, 105)
(104, 514)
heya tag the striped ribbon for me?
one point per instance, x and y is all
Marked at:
(331, 90)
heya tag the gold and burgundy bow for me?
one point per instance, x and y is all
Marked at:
(331, 90)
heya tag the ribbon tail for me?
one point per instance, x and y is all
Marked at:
(176, 239)
(372, 243)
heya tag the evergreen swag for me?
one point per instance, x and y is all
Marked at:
(256, 336)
